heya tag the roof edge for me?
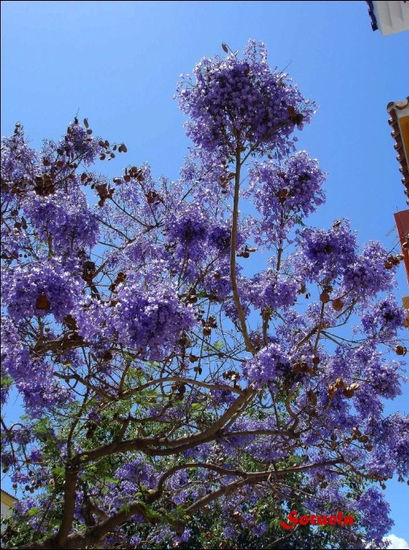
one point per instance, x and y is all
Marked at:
(374, 23)
(9, 495)
(392, 108)
(397, 104)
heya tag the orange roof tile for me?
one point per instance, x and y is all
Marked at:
(399, 110)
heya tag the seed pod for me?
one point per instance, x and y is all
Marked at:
(400, 350)
(184, 341)
(324, 297)
(350, 390)
(107, 356)
(337, 304)
(43, 302)
(212, 322)
(312, 397)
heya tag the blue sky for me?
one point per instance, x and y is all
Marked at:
(117, 63)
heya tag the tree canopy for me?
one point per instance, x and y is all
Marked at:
(191, 372)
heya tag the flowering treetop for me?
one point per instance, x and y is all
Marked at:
(158, 377)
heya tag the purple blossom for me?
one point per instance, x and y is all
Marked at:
(234, 100)
(229, 532)
(260, 528)
(40, 289)
(150, 321)
(35, 456)
(268, 366)
(18, 162)
(367, 274)
(268, 289)
(374, 510)
(64, 217)
(77, 143)
(286, 192)
(137, 472)
(33, 376)
(120, 317)
(385, 317)
(187, 229)
(326, 254)
(135, 540)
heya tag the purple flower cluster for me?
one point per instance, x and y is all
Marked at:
(93, 318)
(136, 473)
(268, 289)
(63, 216)
(18, 163)
(33, 376)
(187, 229)
(78, 144)
(385, 317)
(391, 453)
(193, 234)
(367, 275)
(374, 510)
(236, 102)
(287, 191)
(128, 311)
(40, 289)
(385, 376)
(271, 363)
(326, 254)
(150, 320)
(219, 237)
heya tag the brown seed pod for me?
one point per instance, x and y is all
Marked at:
(400, 350)
(337, 304)
(312, 397)
(350, 390)
(324, 297)
(43, 302)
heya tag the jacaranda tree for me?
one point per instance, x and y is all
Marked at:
(190, 372)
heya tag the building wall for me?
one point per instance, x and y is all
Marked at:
(7, 503)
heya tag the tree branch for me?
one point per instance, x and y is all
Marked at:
(233, 244)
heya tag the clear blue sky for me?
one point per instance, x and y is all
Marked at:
(117, 63)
